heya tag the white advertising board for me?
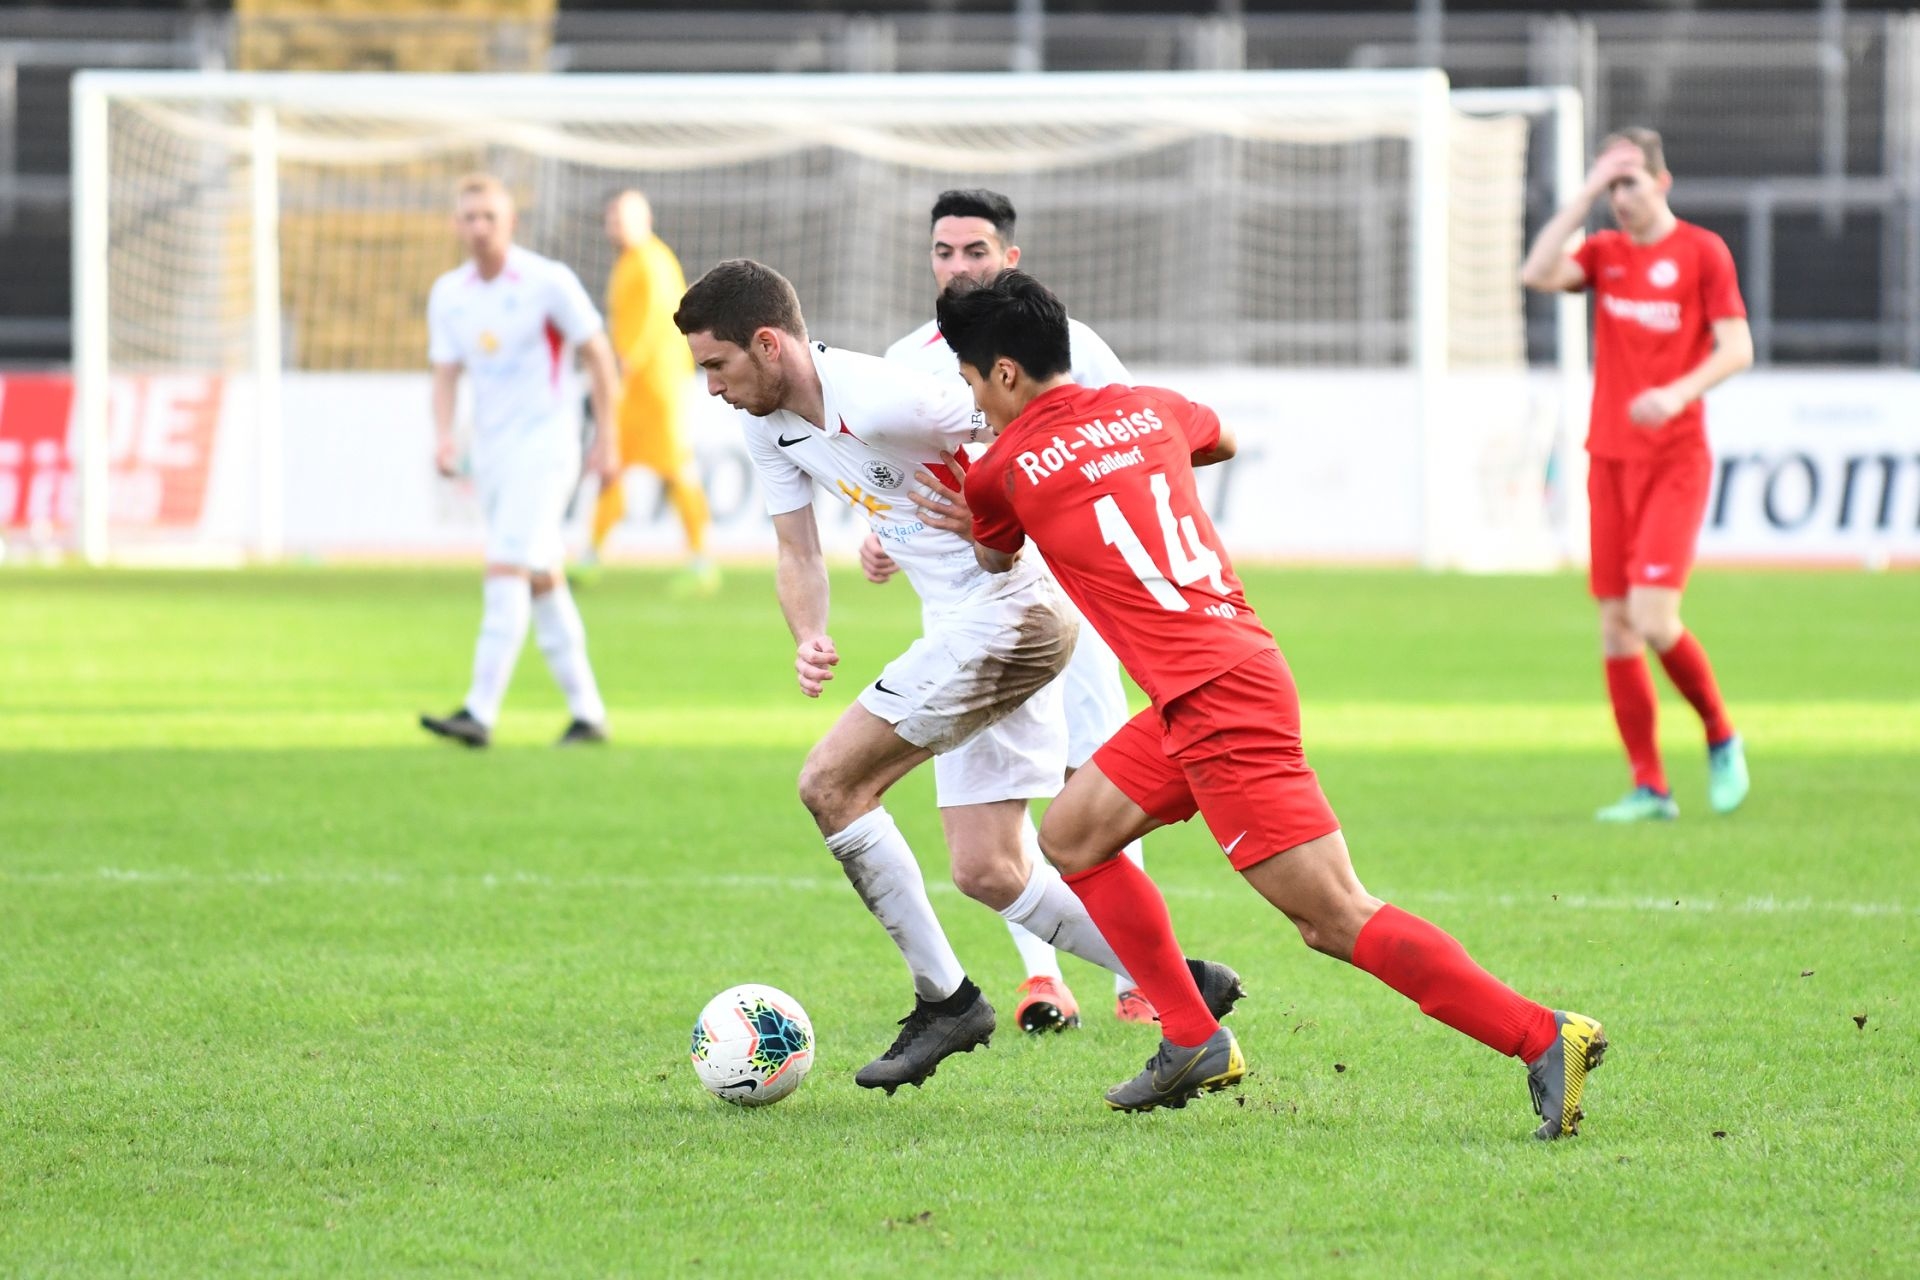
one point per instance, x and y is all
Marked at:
(1817, 467)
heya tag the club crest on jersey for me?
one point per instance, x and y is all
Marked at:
(883, 475)
(488, 342)
(1663, 273)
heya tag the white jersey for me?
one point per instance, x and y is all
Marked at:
(883, 422)
(1094, 364)
(515, 336)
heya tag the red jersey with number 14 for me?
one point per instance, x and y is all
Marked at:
(1101, 478)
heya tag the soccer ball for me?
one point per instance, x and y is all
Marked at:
(752, 1045)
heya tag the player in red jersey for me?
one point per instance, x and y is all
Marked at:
(1669, 326)
(1102, 482)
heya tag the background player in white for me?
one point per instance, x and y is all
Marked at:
(512, 321)
(972, 232)
(862, 428)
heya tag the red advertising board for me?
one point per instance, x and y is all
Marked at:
(160, 441)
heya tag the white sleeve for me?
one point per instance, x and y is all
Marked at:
(441, 348)
(569, 307)
(1094, 364)
(783, 484)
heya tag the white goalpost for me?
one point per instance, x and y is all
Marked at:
(252, 253)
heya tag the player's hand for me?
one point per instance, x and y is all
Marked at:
(1613, 164)
(1654, 406)
(446, 456)
(874, 560)
(947, 508)
(814, 663)
(605, 463)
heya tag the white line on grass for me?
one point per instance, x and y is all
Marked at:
(593, 882)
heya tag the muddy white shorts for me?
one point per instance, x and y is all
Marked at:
(979, 690)
(1096, 701)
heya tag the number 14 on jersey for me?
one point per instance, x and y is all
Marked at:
(1189, 560)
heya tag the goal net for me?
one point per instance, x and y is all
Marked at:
(1334, 255)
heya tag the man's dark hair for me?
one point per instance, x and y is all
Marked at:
(738, 298)
(977, 202)
(1011, 315)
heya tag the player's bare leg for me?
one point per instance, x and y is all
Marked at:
(1085, 827)
(993, 864)
(562, 638)
(1314, 885)
(842, 784)
(1630, 690)
(1654, 613)
(506, 612)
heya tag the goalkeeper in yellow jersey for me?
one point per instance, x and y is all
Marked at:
(656, 368)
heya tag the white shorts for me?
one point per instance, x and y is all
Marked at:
(980, 691)
(523, 498)
(1096, 701)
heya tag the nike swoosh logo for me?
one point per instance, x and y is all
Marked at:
(794, 441)
(889, 692)
(741, 1084)
(1229, 848)
(1168, 1082)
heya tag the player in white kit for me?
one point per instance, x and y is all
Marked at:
(863, 429)
(972, 232)
(512, 321)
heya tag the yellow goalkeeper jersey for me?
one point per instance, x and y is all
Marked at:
(642, 294)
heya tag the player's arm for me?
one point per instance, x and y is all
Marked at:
(1732, 352)
(1222, 449)
(603, 382)
(1549, 268)
(995, 561)
(446, 392)
(801, 582)
(1208, 440)
(874, 560)
(947, 508)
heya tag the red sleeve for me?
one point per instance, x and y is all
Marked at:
(995, 525)
(1588, 256)
(1198, 423)
(1719, 282)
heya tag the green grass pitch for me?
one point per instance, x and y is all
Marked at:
(288, 989)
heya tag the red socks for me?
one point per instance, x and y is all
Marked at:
(1691, 673)
(1424, 963)
(1630, 686)
(1128, 910)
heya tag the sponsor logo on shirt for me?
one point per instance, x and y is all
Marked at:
(1662, 315)
(488, 342)
(859, 497)
(1662, 274)
(1037, 464)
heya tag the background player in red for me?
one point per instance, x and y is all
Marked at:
(1102, 481)
(1668, 325)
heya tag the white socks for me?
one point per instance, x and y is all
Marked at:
(1039, 904)
(503, 632)
(1037, 954)
(563, 641)
(876, 858)
(1050, 910)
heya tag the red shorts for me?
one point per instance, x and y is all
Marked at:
(1645, 519)
(1229, 750)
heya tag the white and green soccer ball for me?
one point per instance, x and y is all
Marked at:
(752, 1045)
